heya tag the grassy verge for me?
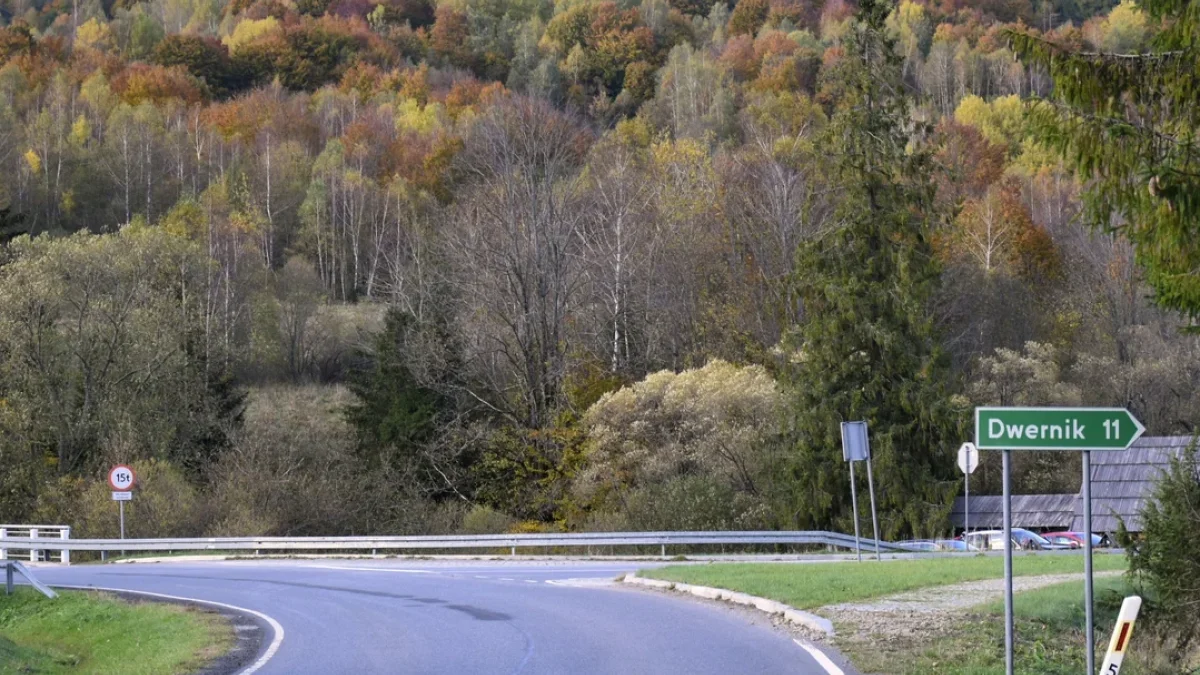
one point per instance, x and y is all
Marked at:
(84, 632)
(1049, 638)
(810, 585)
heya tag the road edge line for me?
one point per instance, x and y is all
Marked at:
(789, 613)
(821, 659)
(276, 627)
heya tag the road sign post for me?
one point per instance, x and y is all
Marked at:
(968, 461)
(1087, 562)
(856, 447)
(854, 507)
(1009, 634)
(1083, 429)
(121, 479)
(874, 513)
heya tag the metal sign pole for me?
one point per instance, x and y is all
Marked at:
(1087, 561)
(874, 515)
(854, 505)
(1008, 575)
(967, 511)
(122, 518)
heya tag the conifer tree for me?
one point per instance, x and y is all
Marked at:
(867, 350)
(1127, 123)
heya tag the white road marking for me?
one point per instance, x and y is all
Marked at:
(531, 581)
(819, 656)
(581, 582)
(506, 579)
(480, 576)
(372, 569)
(276, 628)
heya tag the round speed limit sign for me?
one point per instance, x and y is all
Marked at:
(121, 478)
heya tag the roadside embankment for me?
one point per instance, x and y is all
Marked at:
(91, 632)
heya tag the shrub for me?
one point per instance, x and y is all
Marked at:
(164, 505)
(484, 520)
(694, 503)
(1168, 553)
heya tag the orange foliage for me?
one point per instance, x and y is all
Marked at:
(740, 58)
(140, 82)
(971, 163)
(414, 83)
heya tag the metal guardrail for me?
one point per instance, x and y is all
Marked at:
(11, 567)
(486, 541)
(59, 532)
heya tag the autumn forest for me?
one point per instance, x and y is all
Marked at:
(425, 266)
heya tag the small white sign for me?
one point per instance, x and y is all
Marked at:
(121, 477)
(122, 496)
(968, 458)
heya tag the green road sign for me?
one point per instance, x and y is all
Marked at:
(1055, 428)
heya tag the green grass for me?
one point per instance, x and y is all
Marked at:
(810, 585)
(85, 632)
(1050, 639)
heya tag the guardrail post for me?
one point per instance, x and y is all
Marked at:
(514, 550)
(33, 553)
(3, 551)
(65, 533)
(664, 550)
(8, 579)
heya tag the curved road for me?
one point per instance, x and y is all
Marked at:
(396, 616)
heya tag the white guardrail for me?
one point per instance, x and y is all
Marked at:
(41, 533)
(12, 567)
(448, 542)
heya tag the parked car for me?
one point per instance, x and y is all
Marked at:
(919, 545)
(994, 540)
(1098, 540)
(1064, 540)
(954, 545)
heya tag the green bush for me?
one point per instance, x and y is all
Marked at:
(694, 503)
(164, 504)
(484, 520)
(1167, 555)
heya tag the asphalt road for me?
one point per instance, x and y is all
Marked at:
(397, 616)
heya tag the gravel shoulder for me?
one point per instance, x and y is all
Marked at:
(928, 610)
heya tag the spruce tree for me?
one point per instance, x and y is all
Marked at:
(1127, 124)
(867, 350)
(394, 413)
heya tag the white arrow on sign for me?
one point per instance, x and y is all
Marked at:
(968, 458)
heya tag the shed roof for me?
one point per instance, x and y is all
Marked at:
(1123, 481)
(1032, 511)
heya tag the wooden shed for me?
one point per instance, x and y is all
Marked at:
(1034, 512)
(1123, 481)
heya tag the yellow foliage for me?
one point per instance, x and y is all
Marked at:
(1001, 121)
(32, 159)
(412, 116)
(250, 30)
(81, 131)
(94, 34)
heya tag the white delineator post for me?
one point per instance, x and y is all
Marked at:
(3, 551)
(65, 533)
(33, 553)
(1119, 643)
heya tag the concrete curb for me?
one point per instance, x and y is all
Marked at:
(789, 613)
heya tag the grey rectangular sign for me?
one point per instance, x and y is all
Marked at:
(855, 446)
